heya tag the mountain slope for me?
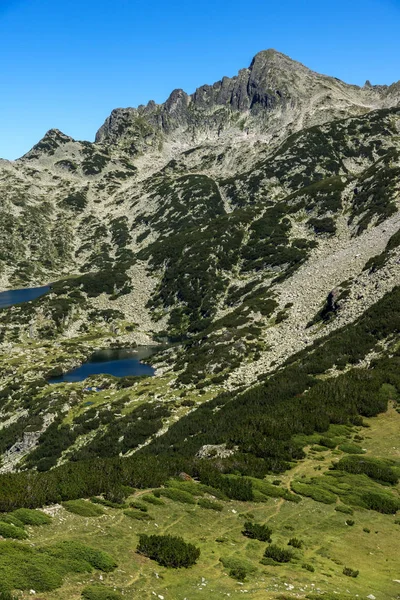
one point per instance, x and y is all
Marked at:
(251, 230)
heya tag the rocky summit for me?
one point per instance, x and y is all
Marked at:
(250, 232)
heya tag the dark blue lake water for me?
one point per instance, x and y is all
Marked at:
(11, 297)
(118, 362)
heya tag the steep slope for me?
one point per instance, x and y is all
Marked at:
(235, 222)
(253, 228)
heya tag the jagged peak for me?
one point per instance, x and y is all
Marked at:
(51, 140)
(57, 134)
(274, 58)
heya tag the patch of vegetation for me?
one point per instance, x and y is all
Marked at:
(138, 515)
(210, 504)
(376, 468)
(8, 530)
(276, 554)
(168, 551)
(76, 200)
(100, 592)
(83, 508)
(31, 517)
(25, 567)
(257, 531)
(325, 225)
(350, 572)
(176, 495)
(238, 568)
(151, 499)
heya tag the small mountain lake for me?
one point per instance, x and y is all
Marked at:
(118, 362)
(11, 297)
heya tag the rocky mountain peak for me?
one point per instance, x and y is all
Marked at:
(53, 139)
(274, 89)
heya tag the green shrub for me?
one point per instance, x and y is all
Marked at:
(375, 468)
(381, 502)
(6, 594)
(8, 530)
(273, 490)
(177, 495)
(350, 572)
(238, 573)
(328, 442)
(108, 503)
(99, 592)
(31, 517)
(344, 509)
(153, 500)
(317, 448)
(168, 551)
(10, 518)
(83, 508)
(295, 542)
(366, 530)
(206, 503)
(277, 554)
(139, 505)
(257, 531)
(76, 551)
(313, 491)
(25, 567)
(138, 515)
(351, 449)
(308, 567)
(238, 568)
(350, 522)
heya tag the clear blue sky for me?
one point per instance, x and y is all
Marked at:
(68, 64)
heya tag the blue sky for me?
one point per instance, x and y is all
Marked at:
(68, 64)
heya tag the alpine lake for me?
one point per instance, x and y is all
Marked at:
(119, 362)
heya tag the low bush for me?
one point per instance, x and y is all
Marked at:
(6, 594)
(238, 573)
(75, 551)
(99, 592)
(153, 500)
(238, 568)
(138, 515)
(168, 551)
(10, 518)
(7, 530)
(313, 491)
(108, 503)
(308, 567)
(328, 442)
(350, 572)
(25, 567)
(344, 509)
(277, 554)
(138, 505)
(210, 504)
(176, 495)
(381, 502)
(295, 542)
(375, 468)
(257, 531)
(83, 508)
(351, 449)
(272, 490)
(31, 516)
(350, 522)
